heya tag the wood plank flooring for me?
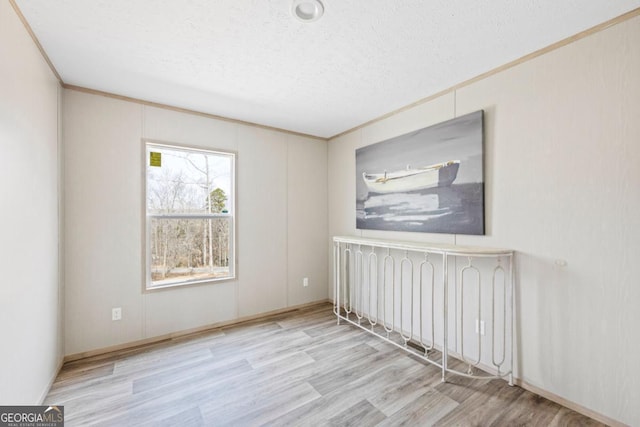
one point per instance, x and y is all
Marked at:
(295, 369)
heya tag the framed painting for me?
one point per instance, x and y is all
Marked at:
(430, 180)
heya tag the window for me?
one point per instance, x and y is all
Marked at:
(190, 196)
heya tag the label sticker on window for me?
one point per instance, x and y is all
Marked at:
(155, 159)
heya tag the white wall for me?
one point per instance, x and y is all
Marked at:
(30, 303)
(562, 169)
(282, 221)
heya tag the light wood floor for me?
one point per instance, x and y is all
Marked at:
(297, 369)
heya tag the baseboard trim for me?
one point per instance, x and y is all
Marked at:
(180, 334)
(569, 404)
(47, 388)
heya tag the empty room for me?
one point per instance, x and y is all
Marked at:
(319, 212)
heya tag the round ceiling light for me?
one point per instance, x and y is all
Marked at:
(307, 10)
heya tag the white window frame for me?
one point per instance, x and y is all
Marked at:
(147, 282)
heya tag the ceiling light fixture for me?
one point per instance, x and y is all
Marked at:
(307, 10)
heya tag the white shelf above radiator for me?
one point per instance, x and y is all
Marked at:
(441, 248)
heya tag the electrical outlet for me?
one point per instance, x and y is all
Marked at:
(305, 282)
(116, 313)
(561, 262)
(480, 327)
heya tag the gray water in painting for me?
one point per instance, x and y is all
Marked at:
(458, 209)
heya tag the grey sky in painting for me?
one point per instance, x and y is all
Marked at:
(456, 139)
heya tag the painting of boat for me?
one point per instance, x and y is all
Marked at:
(412, 179)
(430, 180)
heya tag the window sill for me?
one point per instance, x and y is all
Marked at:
(190, 283)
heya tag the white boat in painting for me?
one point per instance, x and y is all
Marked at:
(438, 175)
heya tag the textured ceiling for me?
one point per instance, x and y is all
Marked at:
(251, 60)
